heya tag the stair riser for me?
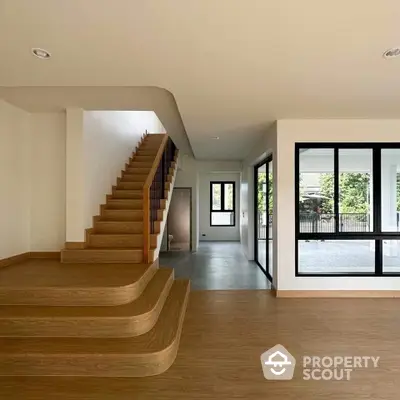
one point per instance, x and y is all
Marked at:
(127, 194)
(137, 170)
(118, 241)
(118, 227)
(124, 204)
(94, 327)
(122, 215)
(134, 178)
(102, 256)
(129, 365)
(129, 186)
(148, 152)
(139, 164)
(143, 159)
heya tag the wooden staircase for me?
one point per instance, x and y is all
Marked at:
(118, 233)
(103, 311)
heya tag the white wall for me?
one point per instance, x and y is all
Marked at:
(290, 132)
(265, 147)
(215, 233)
(109, 139)
(75, 177)
(47, 176)
(15, 167)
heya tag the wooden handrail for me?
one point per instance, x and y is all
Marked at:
(146, 200)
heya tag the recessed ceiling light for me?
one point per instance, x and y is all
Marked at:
(40, 53)
(392, 53)
(215, 137)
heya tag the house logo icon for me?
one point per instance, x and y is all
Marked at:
(278, 364)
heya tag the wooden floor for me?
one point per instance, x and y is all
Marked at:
(219, 356)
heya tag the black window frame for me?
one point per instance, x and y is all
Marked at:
(376, 234)
(222, 183)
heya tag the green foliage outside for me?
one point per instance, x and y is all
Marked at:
(261, 201)
(353, 192)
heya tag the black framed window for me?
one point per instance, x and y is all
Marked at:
(222, 203)
(347, 209)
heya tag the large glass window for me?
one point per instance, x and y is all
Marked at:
(347, 209)
(222, 207)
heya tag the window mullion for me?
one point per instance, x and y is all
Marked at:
(222, 197)
(376, 190)
(336, 188)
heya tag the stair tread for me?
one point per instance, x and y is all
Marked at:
(52, 273)
(109, 221)
(142, 305)
(159, 338)
(111, 249)
(136, 235)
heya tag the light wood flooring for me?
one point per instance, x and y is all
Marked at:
(225, 332)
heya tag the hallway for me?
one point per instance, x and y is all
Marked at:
(216, 266)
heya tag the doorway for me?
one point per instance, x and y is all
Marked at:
(179, 222)
(263, 215)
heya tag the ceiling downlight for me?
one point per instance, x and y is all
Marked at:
(392, 53)
(41, 53)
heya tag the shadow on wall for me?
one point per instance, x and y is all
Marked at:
(179, 220)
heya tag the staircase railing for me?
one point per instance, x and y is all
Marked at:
(154, 191)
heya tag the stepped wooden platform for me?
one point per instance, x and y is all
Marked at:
(102, 310)
(91, 320)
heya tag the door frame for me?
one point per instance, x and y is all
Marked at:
(190, 219)
(265, 161)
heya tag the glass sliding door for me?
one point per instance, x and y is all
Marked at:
(263, 215)
(270, 207)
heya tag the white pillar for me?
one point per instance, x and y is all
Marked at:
(75, 227)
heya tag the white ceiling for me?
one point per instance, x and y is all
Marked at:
(233, 66)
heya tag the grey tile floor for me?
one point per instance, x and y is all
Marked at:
(216, 266)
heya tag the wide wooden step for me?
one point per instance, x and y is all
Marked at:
(103, 256)
(127, 194)
(44, 282)
(118, 227)
(124, 204)
(121, 215)
(149, 354)
(132, 319)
